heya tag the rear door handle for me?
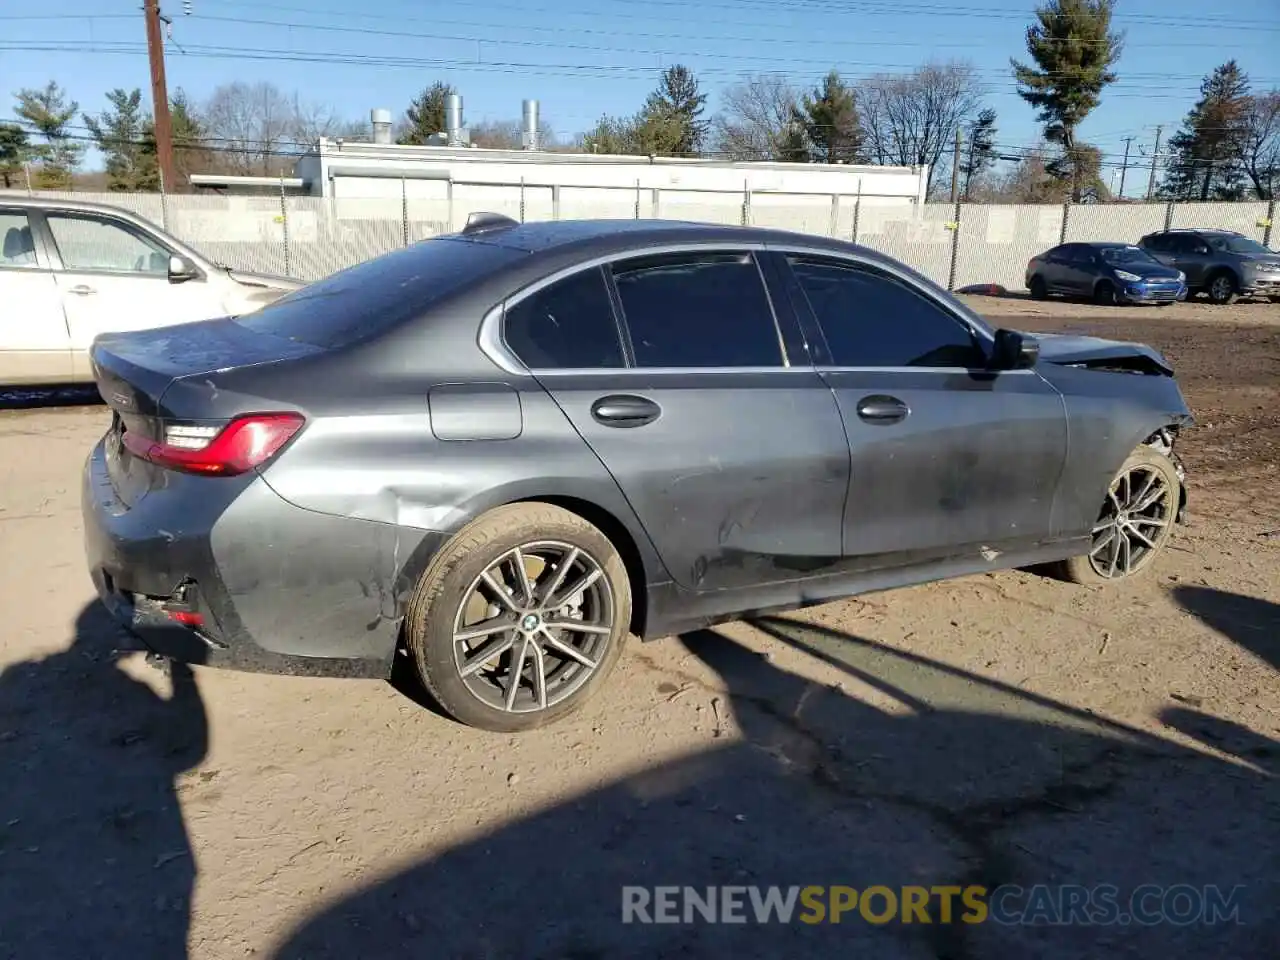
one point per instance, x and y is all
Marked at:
(81, 290)
(625, 410)
(881, 409)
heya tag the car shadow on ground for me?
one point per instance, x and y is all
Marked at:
(952, 779)
(94, 855)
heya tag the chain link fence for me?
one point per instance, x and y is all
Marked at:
(955, 245)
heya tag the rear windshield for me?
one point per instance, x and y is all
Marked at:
(1126, 255)
(377, 295)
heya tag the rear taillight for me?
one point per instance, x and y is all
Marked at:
(222, 451)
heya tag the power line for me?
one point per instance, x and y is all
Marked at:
(807, 41)
(603, 71)
(857, 7)
(561, 45)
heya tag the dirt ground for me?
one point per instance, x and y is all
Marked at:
(1000, 729)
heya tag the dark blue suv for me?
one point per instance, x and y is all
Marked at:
(1109, 273)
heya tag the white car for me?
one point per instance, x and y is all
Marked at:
(70, 271)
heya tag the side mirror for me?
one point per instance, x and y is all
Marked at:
(1015, 351)
(180, 270)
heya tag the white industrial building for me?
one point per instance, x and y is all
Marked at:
(436, 186)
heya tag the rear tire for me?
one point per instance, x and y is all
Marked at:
(1130, 532)
(1038, 289)
(509, 653)
(1221, 287)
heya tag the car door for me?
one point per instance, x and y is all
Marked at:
(672, 368)
(1053, 267)
(1078, 273)
(114, 276)
(948, 457)
(35, 344)
(1191, 255)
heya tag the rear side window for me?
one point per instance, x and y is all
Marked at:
(19, 245)
(378, 295)
(1157, 241)
(568, 325)
(698, 310)
(871, 319)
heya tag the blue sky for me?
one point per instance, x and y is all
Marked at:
(582, 58)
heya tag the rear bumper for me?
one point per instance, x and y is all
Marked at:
(278, 589)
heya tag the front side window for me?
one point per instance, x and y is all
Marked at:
(872, 319)
(95, 243)
(19, 246)
(1238, 245)
(568, 325)
(698, 310)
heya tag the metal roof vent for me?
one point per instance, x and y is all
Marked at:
(381, 120)
(529, 136)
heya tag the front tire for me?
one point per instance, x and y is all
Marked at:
(1134, 524)
(1105, 293)
(1221, 288)
(1039, 291)
(520, 618)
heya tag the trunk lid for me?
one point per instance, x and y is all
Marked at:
(150, 378)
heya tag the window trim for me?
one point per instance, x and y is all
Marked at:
(130, 228)
(493, 345)
(983, 339)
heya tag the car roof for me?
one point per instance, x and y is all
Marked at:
(1105, 244)
(57, 203)
(617, 236)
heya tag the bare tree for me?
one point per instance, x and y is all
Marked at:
(252, 126)
(1261, 146)
(911, 118)
(758, 120)
(509, 135)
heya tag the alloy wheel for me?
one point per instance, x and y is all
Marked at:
(533, 627)
(1221, 288)
(1133, 521)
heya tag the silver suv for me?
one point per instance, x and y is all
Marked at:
(71, 270)
(1219, 263)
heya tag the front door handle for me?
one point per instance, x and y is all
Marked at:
(625, 410)
(881, 409)
(82, 290)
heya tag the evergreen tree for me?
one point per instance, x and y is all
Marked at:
(49, 113)
(14, 148)
(1073, 49)
(119, 134)
(672, 116)
(425, 116)
(1207, 150)
(829, 117)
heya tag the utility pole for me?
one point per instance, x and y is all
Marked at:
(1155, 152)
(955, 170)
(160, 96)
(1124, 168)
